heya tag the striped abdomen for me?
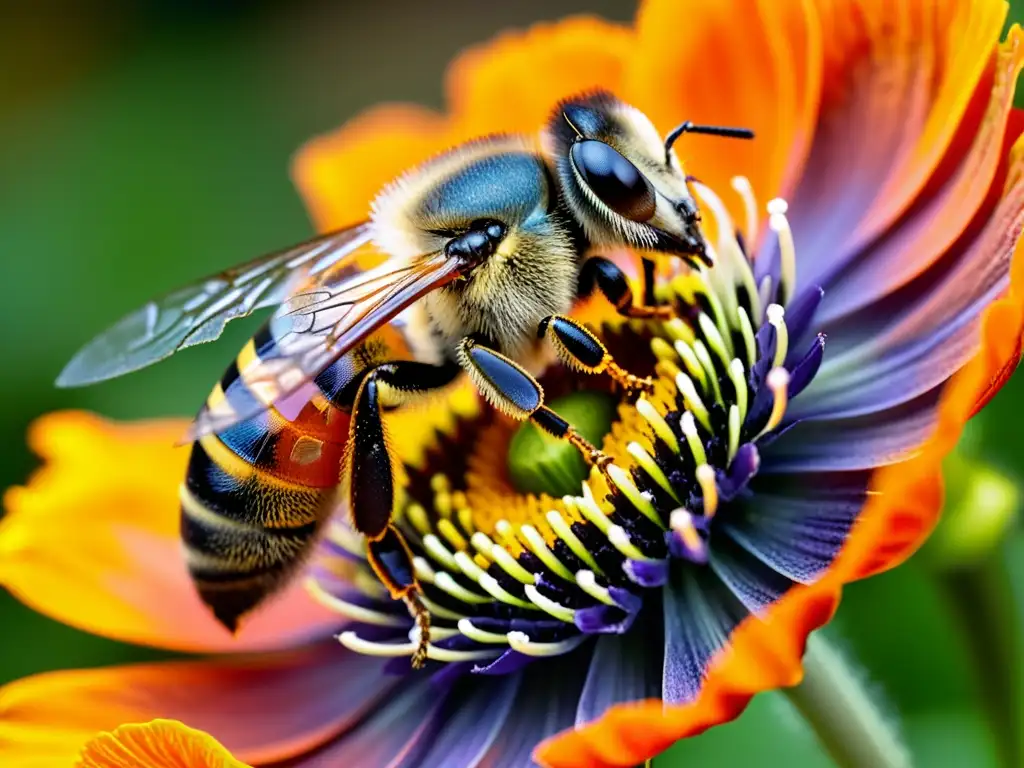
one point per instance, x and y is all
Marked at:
(257, 494)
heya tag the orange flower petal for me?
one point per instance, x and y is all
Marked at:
(156, 744)
(766, 654)
(92, 541)
(338, 174)
(748, 63)
(512, 83)
(262, 708)
(897, 80)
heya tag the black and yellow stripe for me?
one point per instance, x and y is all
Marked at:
(257, 494)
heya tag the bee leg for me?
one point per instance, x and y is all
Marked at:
(512, 390)
(391, 559)
(371, 478)
(605, 276)
(580, 350)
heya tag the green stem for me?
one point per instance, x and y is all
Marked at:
(833, 701)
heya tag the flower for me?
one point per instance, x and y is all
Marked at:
(699, 564)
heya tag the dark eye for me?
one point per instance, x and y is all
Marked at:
(615, 180)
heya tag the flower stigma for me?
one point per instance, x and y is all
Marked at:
(522, 552)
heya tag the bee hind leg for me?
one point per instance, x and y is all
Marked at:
(580, 350)
(601, 274)
(371, 479)
(512, 390)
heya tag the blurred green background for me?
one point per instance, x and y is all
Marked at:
(143, 144)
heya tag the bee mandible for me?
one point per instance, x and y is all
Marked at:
(487, 249)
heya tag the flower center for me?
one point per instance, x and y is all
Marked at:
(529, 560)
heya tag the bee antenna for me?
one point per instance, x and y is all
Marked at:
(708, 130)
(575, 129)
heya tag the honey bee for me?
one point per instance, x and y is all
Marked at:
(487, 249)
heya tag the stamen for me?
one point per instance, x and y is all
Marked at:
(447, 529)
(495, 590)
(619, 539)
(739, 382)
(621, 479)
(705, 475)
(692, 364)
(735, 422)
(536, 544)
(692, 400)
(353, 642)
(714, 339)
(520, 641)
(565, 533)
(482, 543)
(778, 381)
(746, 192)
(423, 570)
(658, 424)
(439, 611)
(705, 360)
(443, 580)
(443, 504)
(650, 466)
(347, 539)
(589, 509)
(465, 515)
(467, 628)
(468, 567)
(747, 331)
(510, 565)
(549, 606)
(587, 581)
(452, 656)
(436, 633)
(679, 331)
(352, 611)
(663, 350)
(438, 551)
(417, 515)
(689, 428)
(779, 223)
(777, 317)
(683, 526)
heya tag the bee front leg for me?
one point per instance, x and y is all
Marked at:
(580, 350)
(599, 273)
(507, 386)
(372, 484)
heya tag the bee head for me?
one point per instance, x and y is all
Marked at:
(621, 180)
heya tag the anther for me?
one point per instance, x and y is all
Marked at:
(451, 534)
(350, 610)
(422, 569)
(468, 566)
(692, 400)
(587, 581)
(621, 479)
(705, 475)
(777, 317)
(549, 606)
(589, 509)
(520, 641)
(535, 543)
(658, 424)
(746, 192)
(491, 586)
(780, 224)
(778, 381)
(619, 539)
(693, 366)
(510, 565)
(467, 628)
(439, 552)
(444, 581)
(680, 331)
(689, 427)
(564, 532)
(693, 546)
(418, 517)
(646, 462)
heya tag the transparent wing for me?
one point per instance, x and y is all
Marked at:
(197, 313)
(316, 327)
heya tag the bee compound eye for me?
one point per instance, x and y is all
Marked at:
(615, 180)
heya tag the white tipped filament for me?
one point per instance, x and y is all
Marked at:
(778, 381)
(689, 427)
(737, 375)
(658, 424)
(520, 641)
(777, 317)
(682, 523)
(787, 250)
(692, 400)
(705, 474)
(746, 192)
(735, 424)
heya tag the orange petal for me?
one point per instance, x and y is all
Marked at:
(339, 174)
(263, 708)
(156, 744)
(748, 63)
(764, 654)
(92, 541)
(512, 83)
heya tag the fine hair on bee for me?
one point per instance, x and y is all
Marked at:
(482, 253)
